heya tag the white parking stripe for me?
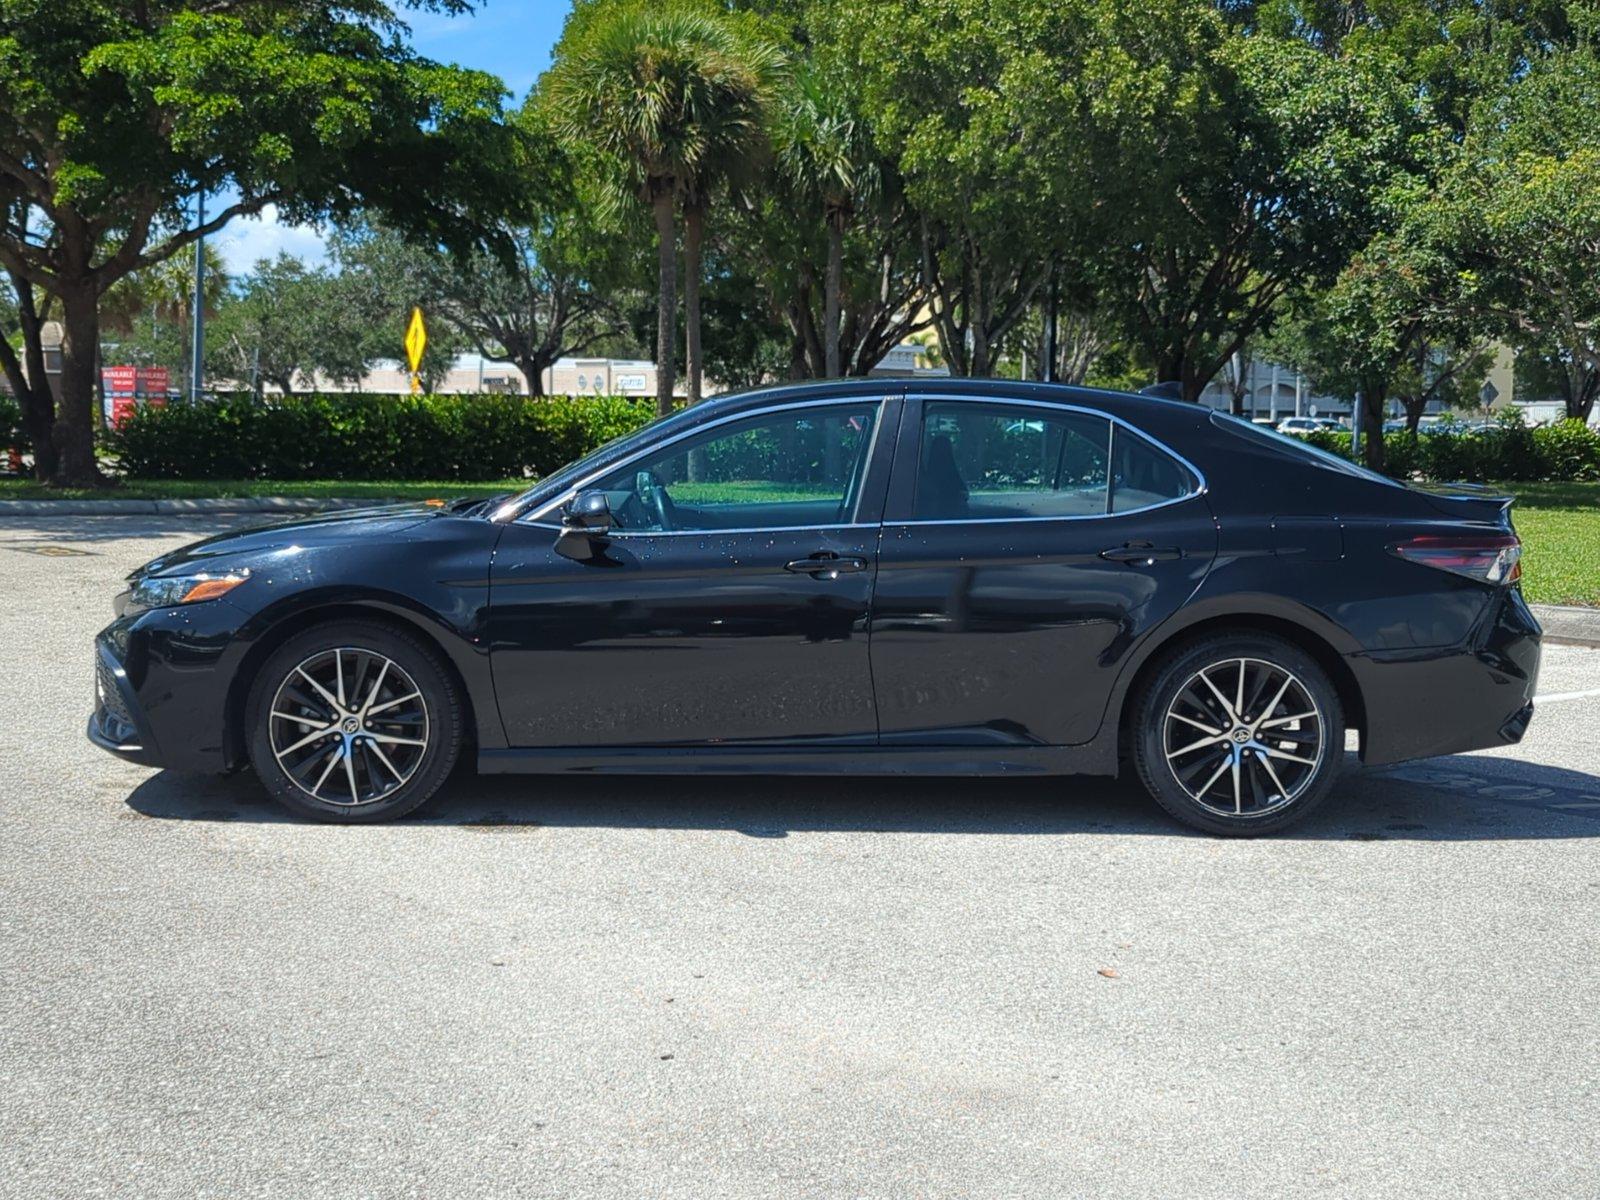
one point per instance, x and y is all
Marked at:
(1555, 697)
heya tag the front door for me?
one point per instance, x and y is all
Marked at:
(728, 607)
(1026, 546)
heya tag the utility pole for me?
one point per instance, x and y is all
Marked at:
(1050, 317)
(197, 351)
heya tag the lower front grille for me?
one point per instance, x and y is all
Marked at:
(110, 695)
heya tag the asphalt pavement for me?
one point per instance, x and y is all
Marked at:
(759, 988)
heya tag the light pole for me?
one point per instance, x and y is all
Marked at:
(197, 351)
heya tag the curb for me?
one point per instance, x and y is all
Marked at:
(1569, 625)
(178, 508)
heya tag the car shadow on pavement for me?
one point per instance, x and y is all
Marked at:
(1459, 798)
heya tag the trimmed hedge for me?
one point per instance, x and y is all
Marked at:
(370, 437)
(1509, 451)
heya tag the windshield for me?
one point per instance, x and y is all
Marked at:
(558, 481)
(1295, 447)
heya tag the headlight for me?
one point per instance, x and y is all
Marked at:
(168, 591)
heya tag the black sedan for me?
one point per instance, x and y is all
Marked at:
(961, 578)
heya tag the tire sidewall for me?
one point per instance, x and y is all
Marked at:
(433, 680)
(1150, 749)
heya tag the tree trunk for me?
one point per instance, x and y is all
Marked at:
(1414, 406)
(1583, 384)
(73, 434)
(1371, 418)
(694, 227)
(532, 375)
(30, 383)
(666, 299)
(833, 286)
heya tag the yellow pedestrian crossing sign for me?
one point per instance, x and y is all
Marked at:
(416, 343)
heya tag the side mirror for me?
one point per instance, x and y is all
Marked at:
(585, 520)
(589, 512)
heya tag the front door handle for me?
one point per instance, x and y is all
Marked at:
(1141, 553)
(825, 564)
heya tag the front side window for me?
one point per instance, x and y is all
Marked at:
(795, 468)
(993, 461)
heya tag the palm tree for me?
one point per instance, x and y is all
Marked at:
(826, 157)
(675, 95)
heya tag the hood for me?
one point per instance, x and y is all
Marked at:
(350, 525)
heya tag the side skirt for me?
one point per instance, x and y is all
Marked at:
(1091, 759)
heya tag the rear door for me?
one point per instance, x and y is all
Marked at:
(1025, 547)
(730, 604)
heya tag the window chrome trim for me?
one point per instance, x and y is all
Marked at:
(876, 399)
(617, 535)
(1099, 516)
(1116, 423)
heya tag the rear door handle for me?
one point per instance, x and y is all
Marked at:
(1141, 553)
(825, 565)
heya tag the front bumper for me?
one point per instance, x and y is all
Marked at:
(162, 686)
(117, 724)
(1421, 703)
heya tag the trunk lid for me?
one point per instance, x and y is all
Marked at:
(1480, 502)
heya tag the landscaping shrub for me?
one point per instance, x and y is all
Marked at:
(1508, 451)
(492, 436)
(463, 437)
(1569, 451)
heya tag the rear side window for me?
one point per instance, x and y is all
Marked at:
(1295, 448)
(1143, 475)
(992, 461)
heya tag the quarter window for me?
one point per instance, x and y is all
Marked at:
(992, 461)
(795, 468)
(1143, 475)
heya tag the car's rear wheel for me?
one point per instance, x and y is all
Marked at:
(353, 721)
(1239, 734)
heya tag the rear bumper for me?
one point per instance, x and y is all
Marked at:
(1421, 703)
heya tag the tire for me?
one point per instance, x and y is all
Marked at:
(367, 764)
(1186, 738)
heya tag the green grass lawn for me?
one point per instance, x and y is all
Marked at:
(189, 489)
(1560, 528)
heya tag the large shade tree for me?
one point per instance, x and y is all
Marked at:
(977, 103)
(1234, 170)
(1522, 213)
(115, 113)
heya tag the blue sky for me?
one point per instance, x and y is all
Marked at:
(511, 38)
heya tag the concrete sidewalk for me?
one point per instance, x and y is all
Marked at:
(224, 506)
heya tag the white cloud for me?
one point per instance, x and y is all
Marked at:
(245, 241)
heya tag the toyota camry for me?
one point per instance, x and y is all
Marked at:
(873, 577)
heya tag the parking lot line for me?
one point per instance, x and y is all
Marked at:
(1557, 697)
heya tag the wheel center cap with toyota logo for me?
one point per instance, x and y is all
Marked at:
(1241, 736)
(351, 725)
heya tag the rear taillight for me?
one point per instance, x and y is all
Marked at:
(1486, 557)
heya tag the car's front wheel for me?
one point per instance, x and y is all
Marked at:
(353, 721)
(1239, 734)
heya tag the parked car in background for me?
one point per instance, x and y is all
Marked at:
(968, 577)
(1305, 425)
